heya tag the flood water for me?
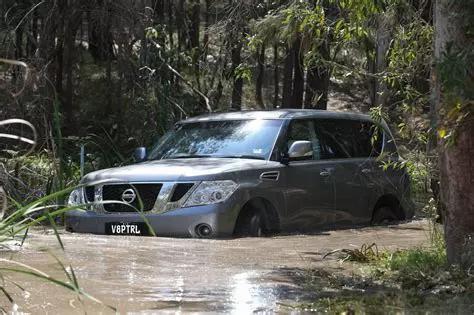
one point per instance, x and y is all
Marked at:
(147, 275)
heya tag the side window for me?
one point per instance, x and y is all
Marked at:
(343, 138)
(303, 130)
(335, 137)
(367, 139)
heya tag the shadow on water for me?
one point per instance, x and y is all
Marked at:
(363, 227)
(321, 290)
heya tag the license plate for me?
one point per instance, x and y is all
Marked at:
(118, 228)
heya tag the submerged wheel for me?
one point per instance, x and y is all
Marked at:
(250, 224)
(384, 215)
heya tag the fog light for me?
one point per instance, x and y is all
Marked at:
(203, 230)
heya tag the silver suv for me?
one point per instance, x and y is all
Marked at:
(249, 174)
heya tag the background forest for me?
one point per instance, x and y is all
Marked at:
(114, 75)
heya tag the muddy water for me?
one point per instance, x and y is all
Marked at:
(143, 274)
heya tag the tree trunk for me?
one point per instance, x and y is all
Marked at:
(170, 22)
(456, 160)
(371, 69)
(19, 42)
(60, 49)
(70, 37)
(195, 23)
(298, 79)
(260, 77)
(238, 81)
(207, 19)
(180, 23)
(33, 39)
(287, 79)
(276, 76)
(159, 11)
(383, 38)
(317, 83)
(18, 50)
(99, 36)
(108, 57)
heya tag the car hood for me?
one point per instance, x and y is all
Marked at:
(176, 170)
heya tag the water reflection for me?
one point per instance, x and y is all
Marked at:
(248, 297)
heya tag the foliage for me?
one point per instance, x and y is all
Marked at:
(404, 280)
(412, 280)
(366, 253)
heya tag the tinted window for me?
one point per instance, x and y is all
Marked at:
(348, 138)
(367, 139)
(335, 137)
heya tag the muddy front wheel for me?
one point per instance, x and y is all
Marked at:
(250, 224)
(384, 215)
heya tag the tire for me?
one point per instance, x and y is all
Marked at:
(384, 215)
(251, 224)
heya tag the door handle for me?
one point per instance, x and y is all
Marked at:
(366, 171)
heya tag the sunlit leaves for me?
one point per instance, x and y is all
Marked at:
(243, 71)
(151, 33)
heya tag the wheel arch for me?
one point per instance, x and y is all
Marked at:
(269, 211)
(390, 200)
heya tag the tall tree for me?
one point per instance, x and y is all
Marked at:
(195, 23)
(287, 79)
(298, 75)
(317, 81)
(238, 84)
(454, 97)
(276, 76)
(260, 77)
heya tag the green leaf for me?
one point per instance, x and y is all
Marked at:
(442, 133)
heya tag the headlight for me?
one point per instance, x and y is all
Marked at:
(75, 198)
(211, 192)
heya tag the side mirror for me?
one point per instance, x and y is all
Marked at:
(140, 154)
(300, 150)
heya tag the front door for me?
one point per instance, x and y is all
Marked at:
(309, 193)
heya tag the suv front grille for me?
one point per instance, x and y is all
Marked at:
(147, 193)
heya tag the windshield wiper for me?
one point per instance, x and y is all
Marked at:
(187, 156)
(243, 156)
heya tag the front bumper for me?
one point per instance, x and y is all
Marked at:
(177, 223)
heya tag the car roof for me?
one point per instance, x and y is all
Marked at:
(277, 114)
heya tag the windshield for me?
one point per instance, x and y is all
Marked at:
(252, 139)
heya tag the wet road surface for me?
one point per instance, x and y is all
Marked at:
(147, 275)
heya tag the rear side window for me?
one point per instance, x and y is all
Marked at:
(367, 139)
(342, 138)
(335, 138)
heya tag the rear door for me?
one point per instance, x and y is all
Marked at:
(338, 139)
(368, 141)
(310, 186)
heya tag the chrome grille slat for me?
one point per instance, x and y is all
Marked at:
(146, 195)
(161, 204)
